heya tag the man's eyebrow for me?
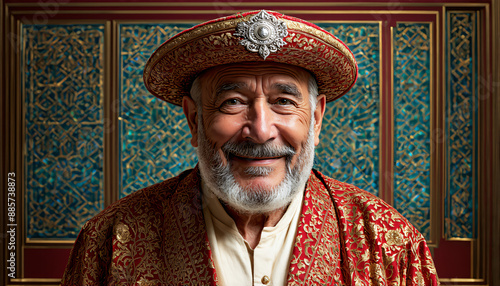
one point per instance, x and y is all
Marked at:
(289, 88)
(229, 86)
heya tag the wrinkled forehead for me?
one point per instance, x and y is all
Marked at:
(242, 72)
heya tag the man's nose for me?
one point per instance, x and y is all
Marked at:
(260, 126)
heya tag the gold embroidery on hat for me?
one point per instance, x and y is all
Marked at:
(217, 40)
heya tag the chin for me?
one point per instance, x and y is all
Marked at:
(260, 185)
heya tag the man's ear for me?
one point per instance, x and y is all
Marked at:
(318, 117)
(191, 113)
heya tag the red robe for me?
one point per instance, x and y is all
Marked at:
(157, 236)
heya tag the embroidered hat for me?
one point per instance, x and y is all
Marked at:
(258, 36)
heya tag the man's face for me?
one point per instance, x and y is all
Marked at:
(257, 131)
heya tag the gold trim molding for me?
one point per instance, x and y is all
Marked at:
(245, 4)
(229, 12)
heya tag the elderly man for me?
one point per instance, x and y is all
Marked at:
(253, 87)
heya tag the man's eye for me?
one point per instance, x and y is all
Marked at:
(232, 101)
(284, 101)
(231, 105)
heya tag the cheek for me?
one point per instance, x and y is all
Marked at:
(295, 132)
(221, 129)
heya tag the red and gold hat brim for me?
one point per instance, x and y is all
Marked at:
(172, 68)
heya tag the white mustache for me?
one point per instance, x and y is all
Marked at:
(254, 150)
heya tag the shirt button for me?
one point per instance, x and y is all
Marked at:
(265, 280)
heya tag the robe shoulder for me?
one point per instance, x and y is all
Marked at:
(148, 202)
(377, 239)
(355, 204)
(130, 240)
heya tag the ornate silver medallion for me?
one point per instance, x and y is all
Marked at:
(263, 33)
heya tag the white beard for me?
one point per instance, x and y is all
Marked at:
(254, 200)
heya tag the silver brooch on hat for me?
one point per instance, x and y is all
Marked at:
(263, 33)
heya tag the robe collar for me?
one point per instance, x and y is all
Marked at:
(316, 254)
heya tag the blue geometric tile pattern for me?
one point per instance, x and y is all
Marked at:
(349, 147)
(412, 123)
(63, 71)
(460, 200)
(154, 135)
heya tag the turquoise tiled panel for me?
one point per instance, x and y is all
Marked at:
(412, 123)
(349, 147)
(62, 72)
(154, 135)
(460, 200)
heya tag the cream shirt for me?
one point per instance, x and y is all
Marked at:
(235, 262)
